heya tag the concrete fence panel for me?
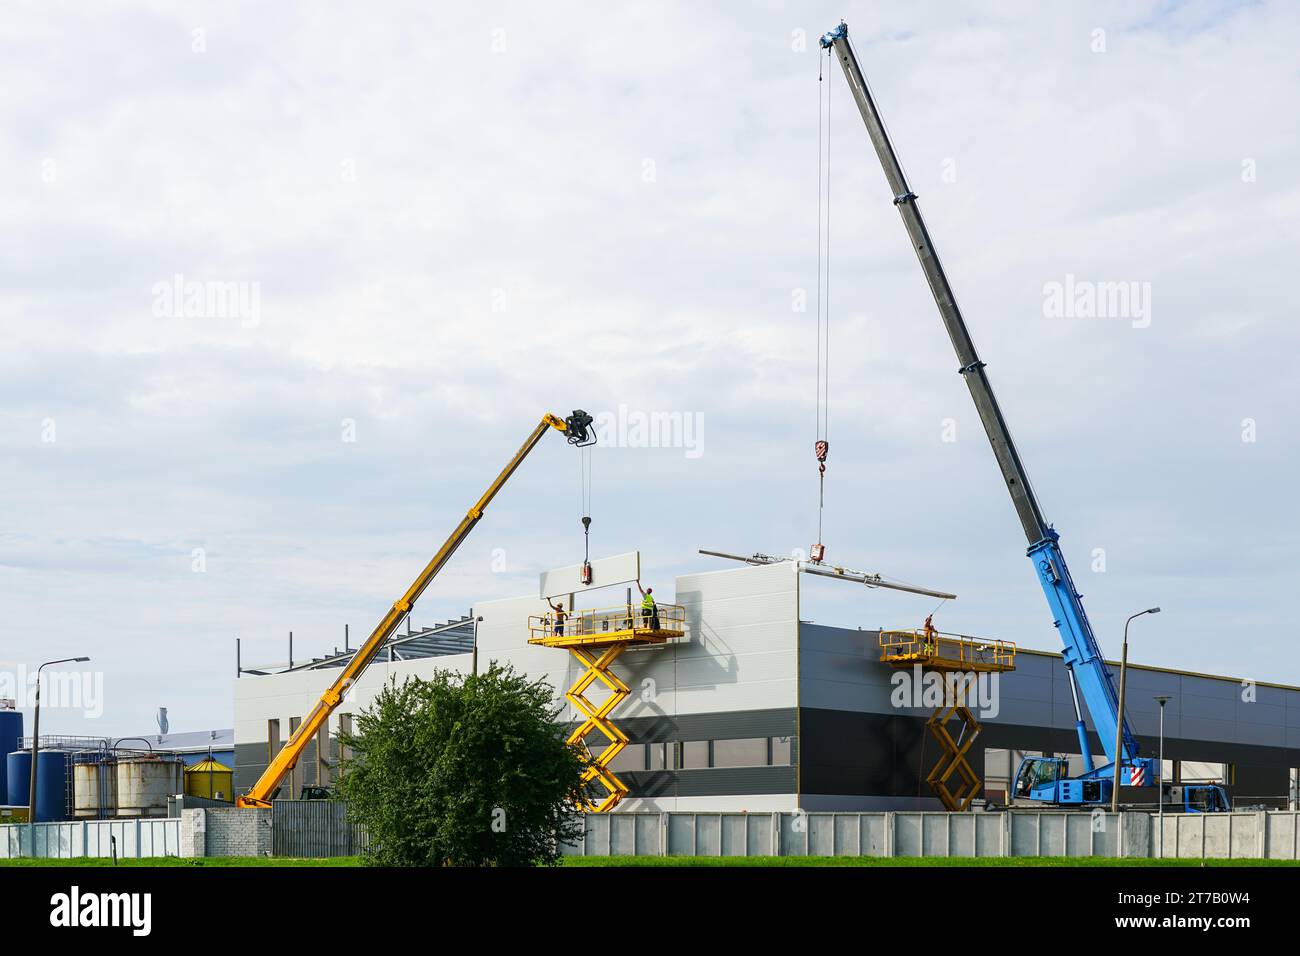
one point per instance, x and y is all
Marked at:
(1064, 833)
(132, 839)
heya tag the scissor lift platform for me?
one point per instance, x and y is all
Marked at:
(596, 637)
(935, 650)
(952, 779)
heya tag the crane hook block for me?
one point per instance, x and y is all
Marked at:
(578, 427)
(585, 575)
(586, 524)
(818, 552)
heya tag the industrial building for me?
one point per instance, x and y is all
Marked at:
(753, 709)
(100, 778)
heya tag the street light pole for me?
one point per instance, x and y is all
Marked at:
(1119, 722)
(1160, 774)
(475, 657)
(36, 746)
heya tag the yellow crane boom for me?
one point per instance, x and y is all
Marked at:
(578, 429)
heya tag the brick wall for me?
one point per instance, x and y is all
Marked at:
(228, 831)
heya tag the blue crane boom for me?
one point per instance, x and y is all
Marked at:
(1087, 668)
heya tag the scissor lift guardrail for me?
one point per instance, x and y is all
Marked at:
(612, 630)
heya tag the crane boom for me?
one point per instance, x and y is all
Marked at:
(1082, 654)
(576, 427)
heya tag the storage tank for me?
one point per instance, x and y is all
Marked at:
(11, 734)
(51, 783)
(94, 788)
(210, 778)
(144, 784)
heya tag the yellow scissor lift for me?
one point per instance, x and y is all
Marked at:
(596, 637)
(957, 655)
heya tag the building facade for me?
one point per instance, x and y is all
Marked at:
(755, 710)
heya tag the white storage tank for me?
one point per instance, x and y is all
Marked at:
(94, 789)
(144, 783)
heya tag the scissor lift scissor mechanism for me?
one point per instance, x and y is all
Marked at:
(596, 638)
(952, 778)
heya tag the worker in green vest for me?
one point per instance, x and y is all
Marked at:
(649, 610)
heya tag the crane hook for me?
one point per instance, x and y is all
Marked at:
(585, 576)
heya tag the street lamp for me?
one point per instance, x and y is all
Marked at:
(1119, 723)
(36, 742)
(1160, 773)
(475, 657)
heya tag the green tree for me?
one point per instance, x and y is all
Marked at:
(463, 771)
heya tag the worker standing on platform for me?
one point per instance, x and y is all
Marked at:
(560, 615)
(649, 610)
(931, 635)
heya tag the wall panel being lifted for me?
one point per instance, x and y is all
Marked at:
(619, 569)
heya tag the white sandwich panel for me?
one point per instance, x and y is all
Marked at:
(503, 637)
(619, 569)
(740, 652)
(283, 697)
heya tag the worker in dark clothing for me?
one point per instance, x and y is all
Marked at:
(560, 615)
(649, 610)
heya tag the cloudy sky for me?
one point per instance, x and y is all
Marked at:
(442, 223)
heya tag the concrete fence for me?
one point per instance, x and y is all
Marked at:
(321, 829)
(100, 838)
(1272, 835)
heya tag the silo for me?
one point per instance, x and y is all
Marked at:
(144, 783)
(11, 733)
(211, 779)
(51, 783)
(94, 788)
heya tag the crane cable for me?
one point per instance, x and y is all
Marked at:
(821, 446)
(584, 480)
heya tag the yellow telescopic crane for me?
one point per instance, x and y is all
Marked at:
(578, 429)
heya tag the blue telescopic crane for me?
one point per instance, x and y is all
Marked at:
(1039, 778)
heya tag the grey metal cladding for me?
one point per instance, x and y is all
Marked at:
(773, 722)
(840, 671)
(848, 752)
(250, 763)
(714, 782)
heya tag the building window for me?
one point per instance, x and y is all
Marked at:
(737, 752)
(695, 754)
(659, 756)
(345, 730)
(632, 757)
(272, 739)
(743, 752)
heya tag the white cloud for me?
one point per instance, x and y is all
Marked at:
(449, 240)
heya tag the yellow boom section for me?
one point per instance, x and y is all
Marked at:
(261, 793)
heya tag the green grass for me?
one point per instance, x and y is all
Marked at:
(208, 861)
(671, 861)
(909, 861)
